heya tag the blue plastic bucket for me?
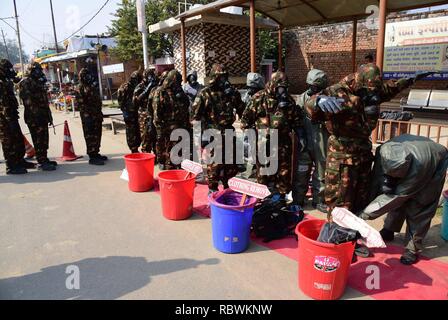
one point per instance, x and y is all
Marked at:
(444, 231)
(230, 221)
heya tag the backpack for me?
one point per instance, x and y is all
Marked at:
(273, 219)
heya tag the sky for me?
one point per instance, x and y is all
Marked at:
(70, 15)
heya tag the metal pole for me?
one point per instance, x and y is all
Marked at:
(18, 39)
(98, 66)
(6, 47)
(145, 49)
(73, 106)
(380, 48)
(280, 48)
(54, 27)
(381, 34)
(355, 31)
(253, 63)
(184, 50)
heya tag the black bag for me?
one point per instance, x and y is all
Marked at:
(273, 219)
(334, 233)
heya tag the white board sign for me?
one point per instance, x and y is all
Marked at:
(113, 68)
(250, 188)
(191, 166)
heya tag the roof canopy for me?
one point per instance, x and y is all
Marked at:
(290, 13)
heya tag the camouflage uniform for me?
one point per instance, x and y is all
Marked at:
(214, 106)
(265, 112)
(315, 153)
(143, 102)
(170, 105)
(349, 158)
(90, 104)
(11, 135)
(37, 111)
(130, 111)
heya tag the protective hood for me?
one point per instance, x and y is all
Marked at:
(395, 159)
(136, 78)
(6, 70)
(217, 71)
(163, 77)
(192, 73)
(86, 77)
(255, 80)
(149, 73)
(172, 80)
(278, 79)
(368, 77)
(317, 78)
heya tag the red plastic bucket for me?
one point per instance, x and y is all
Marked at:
(177, 194)
(323, 267)
(140, 167)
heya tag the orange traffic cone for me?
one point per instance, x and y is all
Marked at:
(68, 153)
(29, 149)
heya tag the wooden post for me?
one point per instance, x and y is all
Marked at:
(380, 45)
(280, 48)
(184, 50)
(355, 32)
(253, 63)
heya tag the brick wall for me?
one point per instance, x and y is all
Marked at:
(329, 48)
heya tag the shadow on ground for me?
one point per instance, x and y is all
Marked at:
(99, 278)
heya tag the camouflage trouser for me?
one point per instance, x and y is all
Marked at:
(12, 141)
(281, 181)
(147, 133)
(39, 135)
(347, 185)
(315, 156)
(164, 146)
(221, 172)
(93, 130)
(132, 131)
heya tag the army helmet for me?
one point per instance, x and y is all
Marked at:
(217, 71)
(278, 79)
(318, 78)
(255, 80)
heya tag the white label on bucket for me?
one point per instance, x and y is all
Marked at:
(191, 166)
(226, 239)
(124, 175)
(235, 239)
(253, 189)
(322, 286)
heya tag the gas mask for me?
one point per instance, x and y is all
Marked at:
(89, 80)
(312, 90)
(389, 184)
(281, 93)
(369, 97)
(39, 76)
(193, 80)
(251, 91)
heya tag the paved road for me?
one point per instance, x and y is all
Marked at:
(85, 216)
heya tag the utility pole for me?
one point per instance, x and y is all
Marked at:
(18, 38)
(141, 22)
(54, 27)
(6, 47)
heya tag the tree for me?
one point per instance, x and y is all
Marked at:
(13, 50)
(129, 40)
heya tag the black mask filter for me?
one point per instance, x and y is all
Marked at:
(389, 184)
(282, 97)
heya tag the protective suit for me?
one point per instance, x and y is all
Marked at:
(192, 87)
(33, 93)
(215, 106)
(130, 111)
(350, 110)
(170, 105)
(274, 108)
(314, 150)
(408, 178)
(11, 136)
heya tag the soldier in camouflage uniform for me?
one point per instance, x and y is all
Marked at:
(130, 111)
(274, 108)
(11, 136)
(170, 105)
(90, 104)
(314, 147)
(215, 108)
(351, 110)
(143, 102)
(37, 115)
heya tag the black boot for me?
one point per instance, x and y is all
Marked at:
(28, 165)
(46, 166)
(104, 158)
(387, 235)
(96, 161)
(408, 258)
(16, 170)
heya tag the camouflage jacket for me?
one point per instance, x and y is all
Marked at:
(89, 101)
(125, 98)
(8, 103)
(168, 110)
(263, 112)
(35, 99)
(216, 110)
